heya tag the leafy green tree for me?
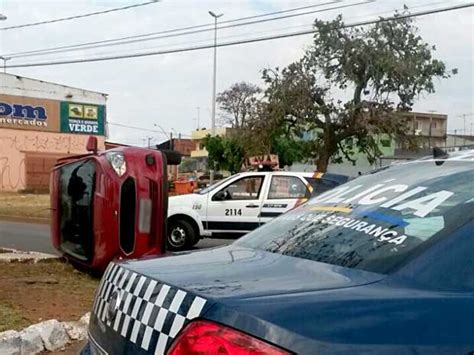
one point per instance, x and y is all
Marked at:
(225, 153)
(379, 71)
(289, 151)
(188, 165)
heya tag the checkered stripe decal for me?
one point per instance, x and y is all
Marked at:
(148, 313)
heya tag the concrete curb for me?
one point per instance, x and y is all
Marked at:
(22, 219)
(49, 335)
(8, 255)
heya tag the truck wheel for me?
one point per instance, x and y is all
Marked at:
(180, 235)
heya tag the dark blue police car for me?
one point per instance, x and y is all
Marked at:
(382, 264)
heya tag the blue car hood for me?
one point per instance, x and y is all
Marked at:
(239, 272)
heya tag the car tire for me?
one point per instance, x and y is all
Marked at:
(195, 241)
(181, 235)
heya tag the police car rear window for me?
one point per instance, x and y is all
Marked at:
(377, 222)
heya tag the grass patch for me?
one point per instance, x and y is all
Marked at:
(10, 318)
(34, 292)
(24, 205)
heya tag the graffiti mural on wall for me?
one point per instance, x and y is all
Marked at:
(41, 143)
(11, 170)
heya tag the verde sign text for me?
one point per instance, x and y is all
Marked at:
(82, 118)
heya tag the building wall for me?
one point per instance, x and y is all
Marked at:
(26, 157)
(184, 146)
(459, 140)
(430, 128)
(198, 135)
(41, 122)
(362, 165)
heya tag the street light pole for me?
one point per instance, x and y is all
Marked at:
(198, 117)
(214, 76)
(5, 59)
(166, 134)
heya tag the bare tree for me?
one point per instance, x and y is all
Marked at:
(238, 104)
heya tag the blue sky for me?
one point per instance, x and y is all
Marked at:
(167, 89)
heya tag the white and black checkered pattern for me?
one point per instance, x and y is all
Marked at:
(148, 313)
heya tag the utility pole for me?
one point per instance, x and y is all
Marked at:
(198, 118)
(5, 59)
(149, 141)
(166, 134)
(213, 112)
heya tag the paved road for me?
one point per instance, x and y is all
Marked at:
(35, 237)
(26, 236)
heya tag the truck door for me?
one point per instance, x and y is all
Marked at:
(235, 207)
(285, 192)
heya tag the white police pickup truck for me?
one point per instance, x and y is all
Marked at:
(240, 203)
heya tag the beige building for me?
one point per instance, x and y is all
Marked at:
(41, 122)
(431, 128)
(198, 135)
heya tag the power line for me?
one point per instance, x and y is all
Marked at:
(79, 16)
(243, 35)
(246, 41)
(166, 31)
(144, 129)
(152, 36)
(187, 42)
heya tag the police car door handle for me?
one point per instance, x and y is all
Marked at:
(252, 206)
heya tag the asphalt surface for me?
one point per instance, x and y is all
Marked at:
(36, 237)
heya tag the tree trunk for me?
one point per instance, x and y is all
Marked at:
(328, 149)
(322, 163)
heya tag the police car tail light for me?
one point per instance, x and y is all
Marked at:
(203, 337)
(117, 161)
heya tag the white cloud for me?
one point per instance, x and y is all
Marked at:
(167, 89)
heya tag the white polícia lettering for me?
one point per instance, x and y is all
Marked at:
(424, 205)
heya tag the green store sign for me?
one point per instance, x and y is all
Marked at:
(82, 118)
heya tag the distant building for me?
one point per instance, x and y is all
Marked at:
(41, 122)
(181, 145)
(456, 140)
(429, 128)
(198, 135)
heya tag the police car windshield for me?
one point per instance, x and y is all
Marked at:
(376, 222)
(217, 184)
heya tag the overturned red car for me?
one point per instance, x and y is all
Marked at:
(110, 204)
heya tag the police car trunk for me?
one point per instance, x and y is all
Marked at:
(136, 314)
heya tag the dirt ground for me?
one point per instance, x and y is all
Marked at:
(31, 293)
(24, 205)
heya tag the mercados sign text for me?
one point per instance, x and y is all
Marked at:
(20, 114)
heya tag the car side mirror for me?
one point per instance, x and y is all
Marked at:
(221, 195)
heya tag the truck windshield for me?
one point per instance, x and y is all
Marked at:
(376, 222)
(216, 185)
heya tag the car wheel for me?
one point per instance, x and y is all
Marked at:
(180, 235)
(195, 241)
